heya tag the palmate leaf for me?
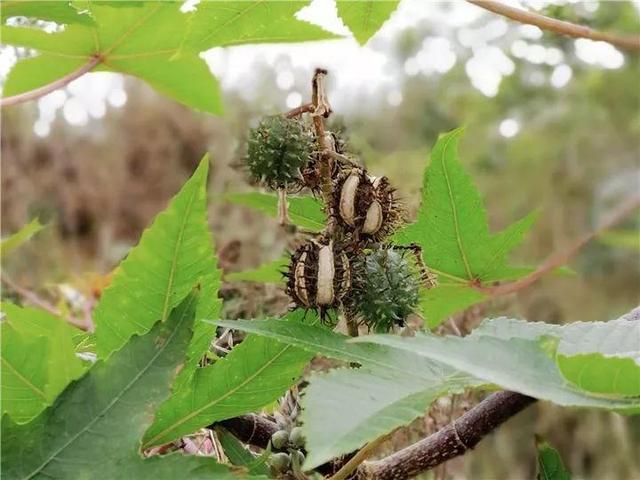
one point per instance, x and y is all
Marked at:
(241, 22)
(94, 427)
(60, 12)
(21, 236)
(38, 360)
(172, 255)
(453, 232)
(599, 357)
(528, 358)
(252, 375)
(365, 17)
(304, 212)
(346, 408)
(550, 466)
(154, 41)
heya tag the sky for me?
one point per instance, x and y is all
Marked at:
(364, 70)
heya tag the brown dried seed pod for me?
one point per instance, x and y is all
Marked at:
(319, 276)
(365, 206)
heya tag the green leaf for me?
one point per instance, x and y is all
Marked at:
(550, 466)
(520, 356)
(252, 375)
(453, 232)
(344, 409)
(96, 423)
(147, 40)
(59, 12)
(249, 22)
(160, 271)
(438, 303)
(267, 273)
(305, 212)
(21, 236)
(240, 456)
(599, 357)
(365, 17)
(27, 388)
(24, 374)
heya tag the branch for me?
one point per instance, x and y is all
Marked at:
(50, 87)
(557, 26)
(33, 299)
(296, 112)
(619, 213)
(451, 441)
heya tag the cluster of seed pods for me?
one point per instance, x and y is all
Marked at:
(364, 211)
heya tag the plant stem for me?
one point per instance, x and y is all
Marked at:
(617, 214)
(557, 26)
(50, 87)
(33, 299)
(451, 441)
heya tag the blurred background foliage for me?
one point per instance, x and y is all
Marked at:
(557, 132)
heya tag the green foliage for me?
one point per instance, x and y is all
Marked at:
(442, 301)
(153, 41)
(242, 22)
(253, 374)
(364, 18)
(531, 358)
(305, 212)
(95, 425)
(21, 236)
(385, 288)
(599, 357)
(38, 360)
(453, 232)
(267, 273)
(346, 408)
(278, 148)
(550, 466)
(59, 12)
(172, 255)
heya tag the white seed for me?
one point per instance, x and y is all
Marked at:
(373, 220)
(348, 198)
(300, 281)
(376, 181)
(326, 273)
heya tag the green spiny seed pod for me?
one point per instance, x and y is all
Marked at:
(280, 439)
(385, 288)
(278, 148)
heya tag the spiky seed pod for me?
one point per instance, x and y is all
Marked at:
(385, 289)
(319, 276)
(366, 206)
(278, 150)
